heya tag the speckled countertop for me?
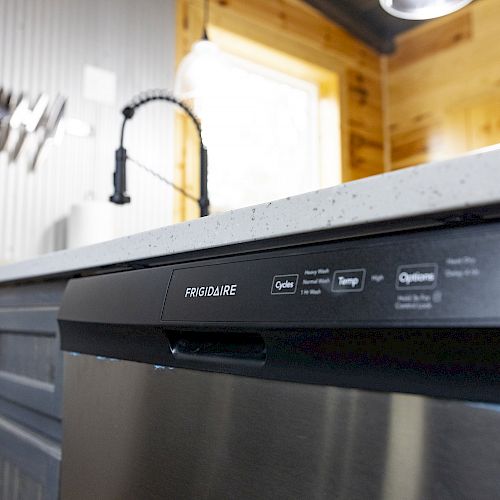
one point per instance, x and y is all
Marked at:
(471, 180)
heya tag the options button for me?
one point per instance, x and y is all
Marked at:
(349, 280)
(417, 277)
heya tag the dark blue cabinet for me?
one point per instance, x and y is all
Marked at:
(30, 391)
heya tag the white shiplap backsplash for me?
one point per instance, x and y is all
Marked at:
(44, 47)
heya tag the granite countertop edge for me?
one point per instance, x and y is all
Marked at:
(467, 181)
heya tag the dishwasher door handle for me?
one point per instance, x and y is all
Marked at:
(218, 347)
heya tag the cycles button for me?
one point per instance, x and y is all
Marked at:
(349, 280)
(284, 284)
(417, 277)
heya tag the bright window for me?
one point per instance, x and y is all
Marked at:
(262, 133)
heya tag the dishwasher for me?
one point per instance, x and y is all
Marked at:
(353, 368)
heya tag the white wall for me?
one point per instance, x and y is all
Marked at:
(44, 46)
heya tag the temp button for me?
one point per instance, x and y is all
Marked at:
(349, 280)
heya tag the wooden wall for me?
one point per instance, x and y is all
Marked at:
(298, 30)
(443, 84)
(436, 97)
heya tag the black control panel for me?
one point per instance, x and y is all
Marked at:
(425, 278)
(415, 312)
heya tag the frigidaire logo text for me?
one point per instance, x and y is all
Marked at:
(211, 291)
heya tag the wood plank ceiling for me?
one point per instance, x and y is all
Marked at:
(366, 20)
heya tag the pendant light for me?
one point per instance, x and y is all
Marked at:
(422, 9)
(201, 69)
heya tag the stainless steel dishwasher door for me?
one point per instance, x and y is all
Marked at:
(136, 432)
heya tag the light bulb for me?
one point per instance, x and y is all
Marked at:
(422, 9)
(200, 71)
